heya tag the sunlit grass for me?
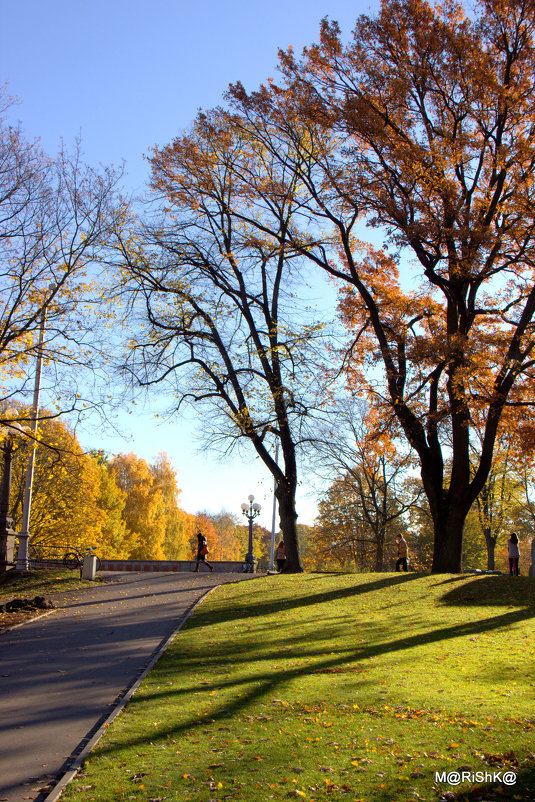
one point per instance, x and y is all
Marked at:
(353, 687)
(36, 583)
(41, 583)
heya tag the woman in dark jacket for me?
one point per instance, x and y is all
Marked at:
(202, 551)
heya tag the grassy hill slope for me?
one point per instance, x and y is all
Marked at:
(323, 686)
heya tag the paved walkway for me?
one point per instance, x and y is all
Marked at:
(61, 674)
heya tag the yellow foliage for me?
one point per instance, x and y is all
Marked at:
(66, 486)
(143, 511)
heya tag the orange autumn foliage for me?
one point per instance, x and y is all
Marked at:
(421, 127)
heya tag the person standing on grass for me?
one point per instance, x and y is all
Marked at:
(514, 554)
(280, 555)
(403, 554)
(202, 551)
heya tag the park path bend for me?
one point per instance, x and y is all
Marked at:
(61, 674)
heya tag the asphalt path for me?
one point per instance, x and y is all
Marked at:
(61, 675)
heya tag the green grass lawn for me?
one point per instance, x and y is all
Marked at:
(356, 687)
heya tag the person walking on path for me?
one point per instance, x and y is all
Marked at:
(514, 554)
(280, 555)
(202, 551)
(403, 553)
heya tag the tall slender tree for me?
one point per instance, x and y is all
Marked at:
(221, 324)
(56, 217)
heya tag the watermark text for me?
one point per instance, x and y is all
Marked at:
(457, 777)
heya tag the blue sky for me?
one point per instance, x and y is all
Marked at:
(129, 74)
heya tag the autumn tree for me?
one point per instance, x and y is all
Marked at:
(115, 541)
(495, 503)
(340, 536)
(420, 530)
(222, 325)
(178, 545)
(228, 545)
(125, 507)
(143, 510)
(421, 128)
(358, 519)
(67, 485)
(362, 459)
(56, 217)
(157, 528)
(164, 482)
(305, 533)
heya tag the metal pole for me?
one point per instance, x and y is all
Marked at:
(250, 556)
(272, 547)
(251, 511)
(22, 557)
(6, 532)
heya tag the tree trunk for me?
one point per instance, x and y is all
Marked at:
(285, 494)
(379, 551)
(491, 546)
(448, 526)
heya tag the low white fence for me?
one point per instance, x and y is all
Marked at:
(170, 566)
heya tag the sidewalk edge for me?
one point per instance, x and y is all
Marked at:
(71, 773)
(28, 621)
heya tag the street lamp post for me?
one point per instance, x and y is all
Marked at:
(7, 534)
(251, 511)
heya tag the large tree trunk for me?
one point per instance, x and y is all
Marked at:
(450, 505)
(448, 526)
(285, 494)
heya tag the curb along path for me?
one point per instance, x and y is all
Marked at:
(60, 677)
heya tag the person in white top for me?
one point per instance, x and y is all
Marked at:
(514, 554)
(403, 554)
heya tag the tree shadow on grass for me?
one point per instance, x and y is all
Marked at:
(523, 788)
(492, 590)
(451, 579)
(252, 609)
(264, 682)
(149, 594)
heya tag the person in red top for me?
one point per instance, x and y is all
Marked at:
(403, 553)
(280, 555)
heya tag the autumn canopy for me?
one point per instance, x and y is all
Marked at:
(415, 172)
(399, 161)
